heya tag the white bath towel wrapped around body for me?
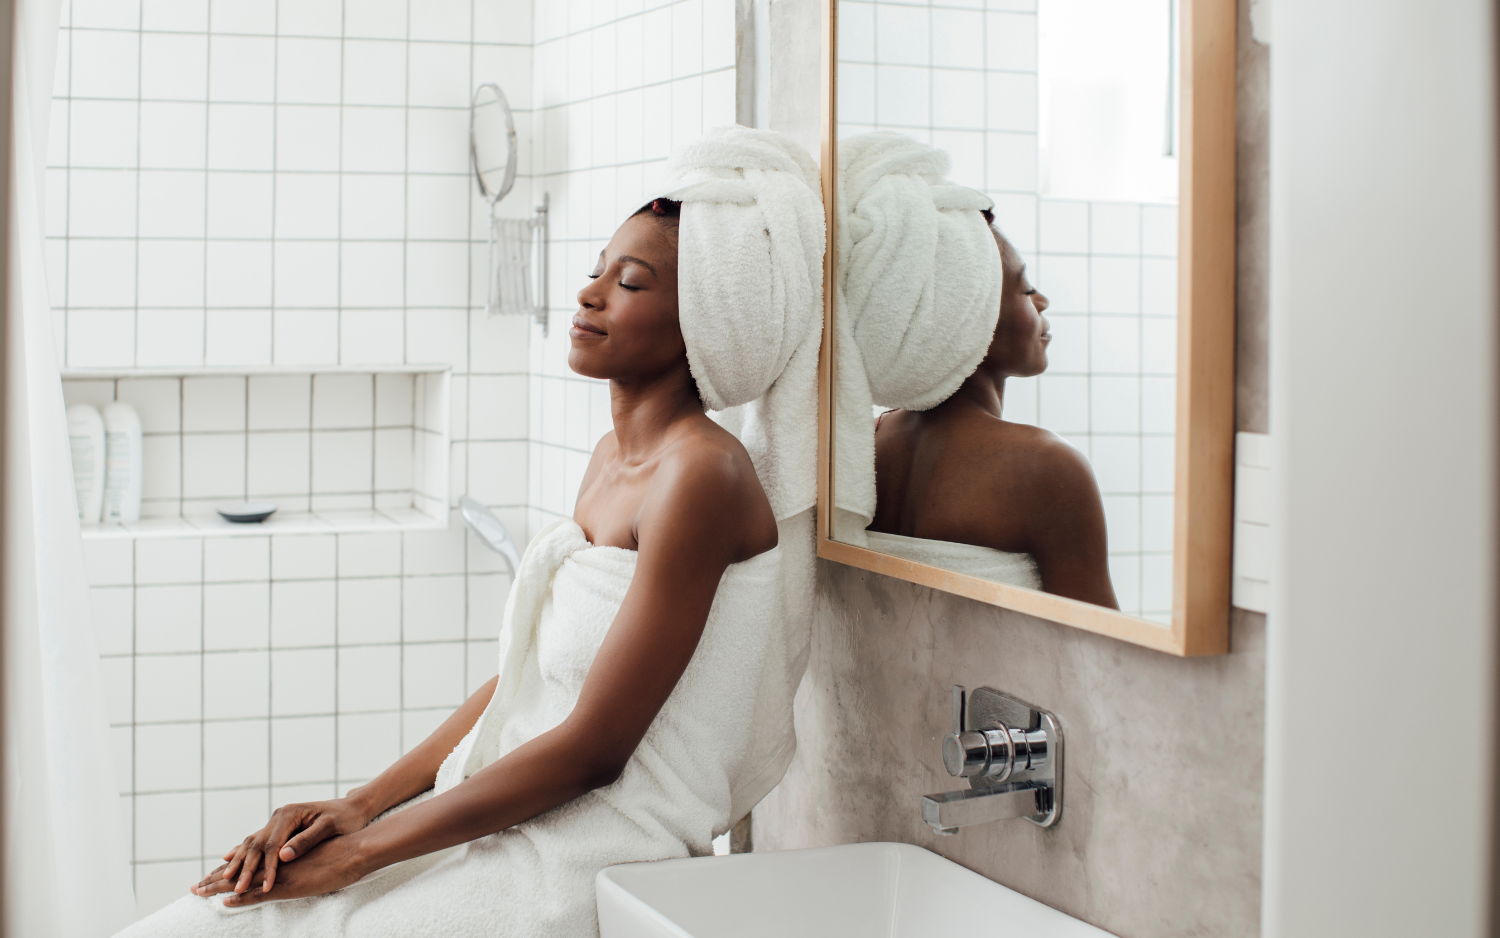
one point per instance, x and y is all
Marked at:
(987, 563)
(537, 879)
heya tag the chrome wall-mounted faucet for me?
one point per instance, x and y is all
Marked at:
(1010, 752)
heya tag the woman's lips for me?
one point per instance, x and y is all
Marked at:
(583, 330)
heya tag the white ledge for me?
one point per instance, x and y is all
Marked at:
(292, 522)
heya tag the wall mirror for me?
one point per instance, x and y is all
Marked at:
(1027, 386)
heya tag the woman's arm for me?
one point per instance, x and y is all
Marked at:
(295, 829)
(695, 523)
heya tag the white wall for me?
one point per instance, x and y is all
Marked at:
(251, 184)
(1381, 654)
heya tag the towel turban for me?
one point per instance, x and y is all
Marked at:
(750, 297)
(919, 289)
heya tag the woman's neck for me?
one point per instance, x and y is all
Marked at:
(644, 409)
(982, 390)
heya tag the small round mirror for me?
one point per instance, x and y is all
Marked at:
(492, 142)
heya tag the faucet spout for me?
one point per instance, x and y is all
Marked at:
(947, 811)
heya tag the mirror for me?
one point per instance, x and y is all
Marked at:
(492, 142)
(1003, 400)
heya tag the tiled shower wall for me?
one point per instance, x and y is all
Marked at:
(1109, 269)
(618, 85)
(251, 184)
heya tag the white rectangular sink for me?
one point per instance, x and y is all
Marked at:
(879, 890)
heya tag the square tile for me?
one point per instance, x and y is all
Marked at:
(168, 827)
(307, 205)
(242, 69)
(431, 140)
(1158, 346)
(168, 688)
(302, 613)
(302, 683)
(374, 208)
(303, 556)
(436, 77)
(168, 618)
(497, 472)
(105, 63)
(306, 274)
(306, 337)
(369, 555)
(308, 71)
(237, 559)
(302, 750)
(1156, 523)
(1063, 404)
(368, 744)
(168, 560)
(213, 404)
(343, 461)
(1115, 228)
(231, 816)
(176, 15)
(394, 455)
(280, 402)
(103, 203)
(1159, 286)
(487, 596)
(1011, 41)
(427, 552)
(174, 67)
(371, 274)
(1011, 102)
(1158, 405)
(160, 884)
(393, 400)
(1114, 404)
(369, 678)
(1159, 230)
(374, 71)
(1114, 285)
(168, 757)
(213, 466)
(237, 337)
(446, 20)
(433, 675)
(433, 608)
(1117, 463)
(1065, 281)
(1010, 162)
(375, 139)
(109, 562)
(101, 338)
(278, 463)
(369, 611)
(1115, 344)
(237, 615)
(1064, 226)
(237, 754)
(1158, 456)
(170, 273)
(417, 725)
(236, 684)
(103, 133)
(171, 135)
(239, 206)
(240, 136)
(307, 137)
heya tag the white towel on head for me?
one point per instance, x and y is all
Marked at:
(918, 296)
(750, 302)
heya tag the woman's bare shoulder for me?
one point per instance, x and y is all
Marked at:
(1040, 456)
(707, 473)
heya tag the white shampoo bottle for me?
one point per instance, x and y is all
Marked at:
(86, 439)
(122, 480)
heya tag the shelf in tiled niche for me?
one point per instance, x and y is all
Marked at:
(337, 449)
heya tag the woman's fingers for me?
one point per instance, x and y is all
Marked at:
(217, 876)
(320, 831)
(252, 863)
(236, 858)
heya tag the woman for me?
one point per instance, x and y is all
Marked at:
(960, 473)
(636, 648)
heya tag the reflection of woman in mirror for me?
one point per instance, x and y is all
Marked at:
(962, 474)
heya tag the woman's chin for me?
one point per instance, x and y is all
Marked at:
(582, 363)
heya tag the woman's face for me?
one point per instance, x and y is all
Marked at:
(626, 325)
(1019, 348)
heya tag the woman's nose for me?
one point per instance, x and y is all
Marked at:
(1040, 301)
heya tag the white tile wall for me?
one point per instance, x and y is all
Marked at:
(964, 79)
(251, 184)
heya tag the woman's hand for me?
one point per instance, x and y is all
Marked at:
(324, 868)
(292, 831)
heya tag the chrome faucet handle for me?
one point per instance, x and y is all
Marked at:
(988, 752)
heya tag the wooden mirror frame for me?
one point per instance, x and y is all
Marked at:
(1203, 491)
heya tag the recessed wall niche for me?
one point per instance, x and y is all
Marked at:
(336, 449)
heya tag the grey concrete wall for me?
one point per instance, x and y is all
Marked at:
(1161, 834)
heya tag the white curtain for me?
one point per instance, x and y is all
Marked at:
(67, 868)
